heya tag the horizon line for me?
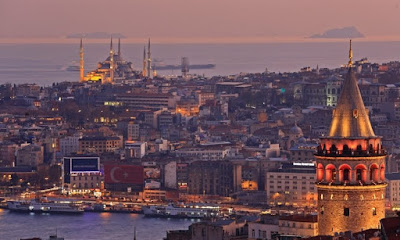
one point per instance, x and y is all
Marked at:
(217, 40)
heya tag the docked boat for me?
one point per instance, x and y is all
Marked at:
(45, 206)
(182, 211)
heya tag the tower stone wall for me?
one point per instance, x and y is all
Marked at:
(366, 206)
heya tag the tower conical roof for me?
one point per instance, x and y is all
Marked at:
(350, 118)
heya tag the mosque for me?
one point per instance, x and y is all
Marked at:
(114, 69)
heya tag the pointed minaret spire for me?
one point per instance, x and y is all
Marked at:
(119, 46)
(81, 63)
(144, 71)
(149, 60)
(350, 56)
(134, 233)
(111, 62)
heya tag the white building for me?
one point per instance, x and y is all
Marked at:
(393, 190)
(292, 185)
(161, 145)
(170, 177)
(70, 144)
(136, 149)
(298, 225)
(265, 229)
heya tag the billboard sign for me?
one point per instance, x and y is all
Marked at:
(132, 174)
(152, 173)
(85, 164)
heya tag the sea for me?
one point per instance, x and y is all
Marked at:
(46, 64)
(87, 226)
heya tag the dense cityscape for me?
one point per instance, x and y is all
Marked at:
(312, 154)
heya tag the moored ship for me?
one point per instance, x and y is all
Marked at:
(45, 206)
(182, 211)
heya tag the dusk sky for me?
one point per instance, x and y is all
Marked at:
(170, 20)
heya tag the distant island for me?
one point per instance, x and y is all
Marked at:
(346, 32)
(95, 35)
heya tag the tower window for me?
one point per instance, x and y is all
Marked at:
(346, 211)
(373, 211)
(346, 175)
(359, 175)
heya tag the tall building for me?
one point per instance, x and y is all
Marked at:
(350, 167)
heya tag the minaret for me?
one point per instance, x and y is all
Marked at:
(350, 167)
(111, 62)
(144, 71)
(119, 47)
(81, 63)
(149, 75)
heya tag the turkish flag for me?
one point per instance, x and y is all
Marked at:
(123, 174)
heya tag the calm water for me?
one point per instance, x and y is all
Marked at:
(89, 226)
(43, 63)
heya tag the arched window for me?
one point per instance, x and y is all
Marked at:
(333, 91)
(361, 173)
(330, 173)
(374, 173)
(346, 175)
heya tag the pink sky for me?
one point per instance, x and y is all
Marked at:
(197, 19)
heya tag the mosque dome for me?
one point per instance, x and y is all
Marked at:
(296, 130)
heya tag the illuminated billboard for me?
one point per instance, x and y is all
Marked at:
(79, 164)
(87, 164)
(152, 173)
(130, 174)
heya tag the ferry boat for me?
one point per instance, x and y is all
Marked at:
(45, 206)
(182, 211)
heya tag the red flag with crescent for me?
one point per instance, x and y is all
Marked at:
(123, 174)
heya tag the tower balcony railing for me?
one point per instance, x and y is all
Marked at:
(350, 183)
(351, 153)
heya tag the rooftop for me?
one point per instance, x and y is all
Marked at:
(350, 118)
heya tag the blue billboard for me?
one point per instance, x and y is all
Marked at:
(87, 164)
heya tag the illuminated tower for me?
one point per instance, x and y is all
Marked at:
(144, 71)
(111, 62)
(81, 63)
(350, 167)
(149, 61)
